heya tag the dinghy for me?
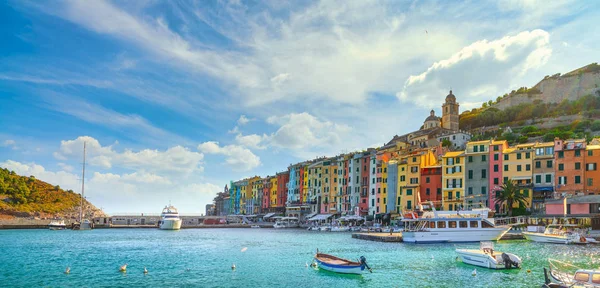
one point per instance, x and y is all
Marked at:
(339, 265)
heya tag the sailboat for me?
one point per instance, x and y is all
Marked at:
(84, 224)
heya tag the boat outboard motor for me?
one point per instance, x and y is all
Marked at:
(363, 261)
(509, 262)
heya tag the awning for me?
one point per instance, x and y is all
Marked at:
(311, 215)
(320, 217)
(543, 189)
(352, 218)
(269, 215)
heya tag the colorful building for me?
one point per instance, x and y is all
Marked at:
(453, 178)
(592, 174)
(477, 168)
(280, 190)
(543, 175)
(372, 182)
(431, 184)
(518, 167)
(496, 168)
(363, 204)
(570, 171)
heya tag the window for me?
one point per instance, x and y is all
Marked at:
(475, 148)
(539, 151)
(457, 195)
(481, 148)
(384, 200)
(473, 224)
(432, 224)
(384, 190)
(483, 158)
(548, 178)
(414, 159)
(527, 155)
(439, 191)
(426, 179)
(372, 191)
(409, 192)
(470, 174)
(483, 173)
(470, 159)
(409, 205)
(538, 179)
(561, 167)
(518, 156)
(496, 168)
(462, 224)
(591, 167)
(577, 179)
(526, 192)
(596, 278)
(505, 157)
(562, 180)
(496, 147)
(590, 182)
(505, 179)
(384, 170)
(372, 202)
(427, 191)
(528, 167)
(582, 276)
(451, 224)
(378, 190)
(457, 160)
(441, 224)
(577, 153)
(483, 190)
(577, 166)
(496, 157)
(505, 167)
(538, 164)
(496, 181)
(519, 168)
(470, 190)
(484, 224)
(561, 154)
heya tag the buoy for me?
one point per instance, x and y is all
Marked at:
(233, 266)
(306, 265)
(432, 258)
(528, 270)
(123, 268)
(474, 272)
(145, 270)
(68, 270)
(244, 249)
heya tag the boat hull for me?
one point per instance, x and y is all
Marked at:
(344, 269)
(170, 224)
(478, 258)
(454, 235)
(52, 227)
(544, 238)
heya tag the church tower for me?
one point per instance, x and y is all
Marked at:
(450, 113)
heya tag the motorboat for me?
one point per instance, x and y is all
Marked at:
(453, 226)
(286, 222)
(85, 224)
(559, 274)
(255, 226)
(57, 225)
(340, 229)
(169, 219)
(335, 264)
(486, 257)
(561, 234)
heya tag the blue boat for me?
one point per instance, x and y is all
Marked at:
(339, 265)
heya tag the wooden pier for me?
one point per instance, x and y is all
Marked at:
(379, 237)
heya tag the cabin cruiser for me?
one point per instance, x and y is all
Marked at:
(169, 219)
(286, 222)
(57, 225)
(486, 257)
(452, 226)
(558, 274)
(561, 234)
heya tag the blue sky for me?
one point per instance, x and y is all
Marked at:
(177, 98)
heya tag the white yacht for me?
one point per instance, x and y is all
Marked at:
(452, 226)
(170, 219)
(486, 257)
(561, 234)
(57, 225)
(287, 222)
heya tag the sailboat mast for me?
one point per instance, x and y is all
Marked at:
(82, 186)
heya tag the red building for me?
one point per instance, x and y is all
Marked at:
(363, 204)
(431, 183)
(282, 191)
(265, 193)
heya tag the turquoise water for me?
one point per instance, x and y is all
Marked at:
(274, 258)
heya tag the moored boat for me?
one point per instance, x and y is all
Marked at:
(560, 234)
(287, 222)
(57, 225)
(255, 226)
(339, 265)
(170, 219)
(486, 257)
(581, 278)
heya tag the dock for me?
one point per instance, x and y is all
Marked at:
(379, 237)
(513, 236)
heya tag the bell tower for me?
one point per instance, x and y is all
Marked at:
(450, 113)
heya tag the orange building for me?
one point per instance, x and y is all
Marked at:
(570, 171)
(592, 174)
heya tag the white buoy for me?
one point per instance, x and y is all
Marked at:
(432, 258)
(233, 266)
(68, 270)
(306, 265)
(123, 268)
(474, 272)
(145, 270)
(244, 249)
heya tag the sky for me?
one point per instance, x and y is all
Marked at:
(176, 98)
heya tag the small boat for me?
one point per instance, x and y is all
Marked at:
(57, 225)
(340, 229)
(558, 274)
(486, 257)
(339, 265)
(560, 234)
(255, 226)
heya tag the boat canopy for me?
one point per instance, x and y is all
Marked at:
(351, 218)
(311, 215)
(289, 218)
(269, 215)
(320, 217)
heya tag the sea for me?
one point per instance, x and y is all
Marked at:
(262, 257)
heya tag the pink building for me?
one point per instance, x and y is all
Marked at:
(496, 156)
(576, 206)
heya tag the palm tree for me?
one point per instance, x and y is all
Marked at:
(509, 194)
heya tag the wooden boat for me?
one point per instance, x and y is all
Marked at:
(339, 265)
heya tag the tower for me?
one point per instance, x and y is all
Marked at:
(450, 113)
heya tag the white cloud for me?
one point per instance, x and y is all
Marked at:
(243, 120)
(175, 159)
(253, 140)
(237, 157)
(300, 131)
(10, 143)
(480, 71)
(65, 167)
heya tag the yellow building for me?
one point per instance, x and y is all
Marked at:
(518, 167)
(314, 185)
(273, 191)
(243, 196)
(329, 186)
(251, 194)
(453, 178)
(305, 184)
(409, 175)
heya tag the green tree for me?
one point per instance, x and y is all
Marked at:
(446, 143)
(509, 194)
(595, 126)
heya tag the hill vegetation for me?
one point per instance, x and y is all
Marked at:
(20, 195)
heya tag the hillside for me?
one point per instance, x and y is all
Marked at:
(27, 196)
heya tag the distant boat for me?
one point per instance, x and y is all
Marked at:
(84, 224)
(486, 257)
(339, 265)
(57, 225)
(286, 222)
(170, 219)
(255, 226)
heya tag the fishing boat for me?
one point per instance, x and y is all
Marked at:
(486, 257)
(57, 225)
(559, 274)
(452, 226)
(83, 224)
(339, 265)
(170, 219)
(560, 234)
